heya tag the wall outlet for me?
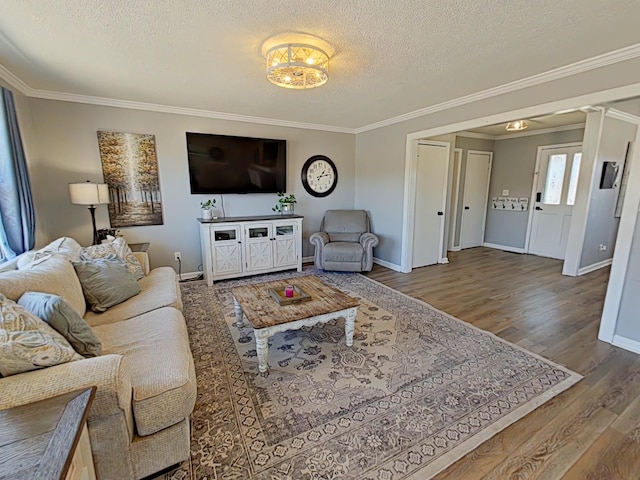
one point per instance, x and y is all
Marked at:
(603, 247)
(505, 192)
(177, 256)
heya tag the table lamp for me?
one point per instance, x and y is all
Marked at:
(90, 194)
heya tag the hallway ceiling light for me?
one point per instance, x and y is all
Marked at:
(297, 65)
(517, 125)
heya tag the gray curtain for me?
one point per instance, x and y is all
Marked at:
(17, 216)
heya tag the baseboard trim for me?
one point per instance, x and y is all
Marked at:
(595, 266)
(455, 249)
(307, 259)
(443, 260)
(626, 343)
(389, 265)
(506, 248)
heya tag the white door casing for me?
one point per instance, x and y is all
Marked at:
(455, 196)
(555, 187)
(430, 202)
(475, 198)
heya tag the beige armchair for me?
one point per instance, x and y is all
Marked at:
(345, 242)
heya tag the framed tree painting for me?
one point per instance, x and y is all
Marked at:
(130, 168)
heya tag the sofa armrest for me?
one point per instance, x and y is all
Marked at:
(143, 258)
(107, 372)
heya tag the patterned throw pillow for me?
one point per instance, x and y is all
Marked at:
(27, 343)
(119, 248)
(64, 319)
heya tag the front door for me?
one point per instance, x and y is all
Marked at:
(557, 184)
(431, 183)
(476, 194)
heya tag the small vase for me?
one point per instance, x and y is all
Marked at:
(287, 209)
(207, 214)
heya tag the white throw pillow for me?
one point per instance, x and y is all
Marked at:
(28, 343)
(118, 247)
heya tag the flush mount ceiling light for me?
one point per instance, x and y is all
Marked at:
(517, 125)
(297, 65)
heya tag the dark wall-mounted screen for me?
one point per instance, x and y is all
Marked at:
(225, 164)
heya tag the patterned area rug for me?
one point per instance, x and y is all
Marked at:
(417, 391)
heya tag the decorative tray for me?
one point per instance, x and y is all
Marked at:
(299, 296)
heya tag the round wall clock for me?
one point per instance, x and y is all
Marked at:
(319, 176)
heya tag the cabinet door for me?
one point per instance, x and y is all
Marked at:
(226, 250)
(285, 252)
(258, 248)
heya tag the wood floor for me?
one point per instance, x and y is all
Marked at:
(592, 430)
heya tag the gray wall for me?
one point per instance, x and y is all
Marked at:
(514, 162)
(380, 153)
(602, 226)
(466, 144)
(628, 325)
(68, 152)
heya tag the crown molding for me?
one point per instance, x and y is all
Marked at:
(624, 116)
(615, 56)
(542, 131)
(609, 58)
(14, 81)
(480, 136)
(193, 112)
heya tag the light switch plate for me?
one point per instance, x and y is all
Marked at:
(505, 192)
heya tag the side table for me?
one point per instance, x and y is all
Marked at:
(139, 247)
(48, 439)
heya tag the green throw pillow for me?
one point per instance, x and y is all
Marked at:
(27, 343)
(106, 282)
(64, 319)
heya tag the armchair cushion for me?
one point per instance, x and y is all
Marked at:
(345, 225)
(343, 252)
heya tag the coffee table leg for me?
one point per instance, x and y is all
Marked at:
(262, 350)
(239, 314)
(350, 325)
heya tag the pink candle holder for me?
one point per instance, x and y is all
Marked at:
(288, 291)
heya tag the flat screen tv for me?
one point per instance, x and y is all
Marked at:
(226, 164)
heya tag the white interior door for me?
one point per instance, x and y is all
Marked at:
(431, 181)
(476, 193)
(556, 187)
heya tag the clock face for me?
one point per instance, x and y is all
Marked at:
(319, 176)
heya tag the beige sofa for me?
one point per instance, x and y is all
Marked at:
(145, 378)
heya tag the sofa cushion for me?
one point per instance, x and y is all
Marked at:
(28, 343)
(64, 319)
(64, 246)
(53, 274)
(156, 346)
(342, 252)
(158, 289)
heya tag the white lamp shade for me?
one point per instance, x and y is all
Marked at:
(88, 193)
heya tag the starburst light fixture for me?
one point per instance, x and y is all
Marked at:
(517, 125)
(297, 65)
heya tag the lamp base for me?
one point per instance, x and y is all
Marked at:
(92, 209)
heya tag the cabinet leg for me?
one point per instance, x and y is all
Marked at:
(350, 325)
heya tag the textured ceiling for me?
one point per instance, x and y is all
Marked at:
(538, 123)
(390, 57)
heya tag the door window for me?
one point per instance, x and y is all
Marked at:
(555, 179)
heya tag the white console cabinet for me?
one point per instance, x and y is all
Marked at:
(240, 246)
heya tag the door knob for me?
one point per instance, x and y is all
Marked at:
(538, 208)
(466, 208)
(440, 213)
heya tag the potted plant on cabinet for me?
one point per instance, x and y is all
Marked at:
(285, 203)
(207, 209)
